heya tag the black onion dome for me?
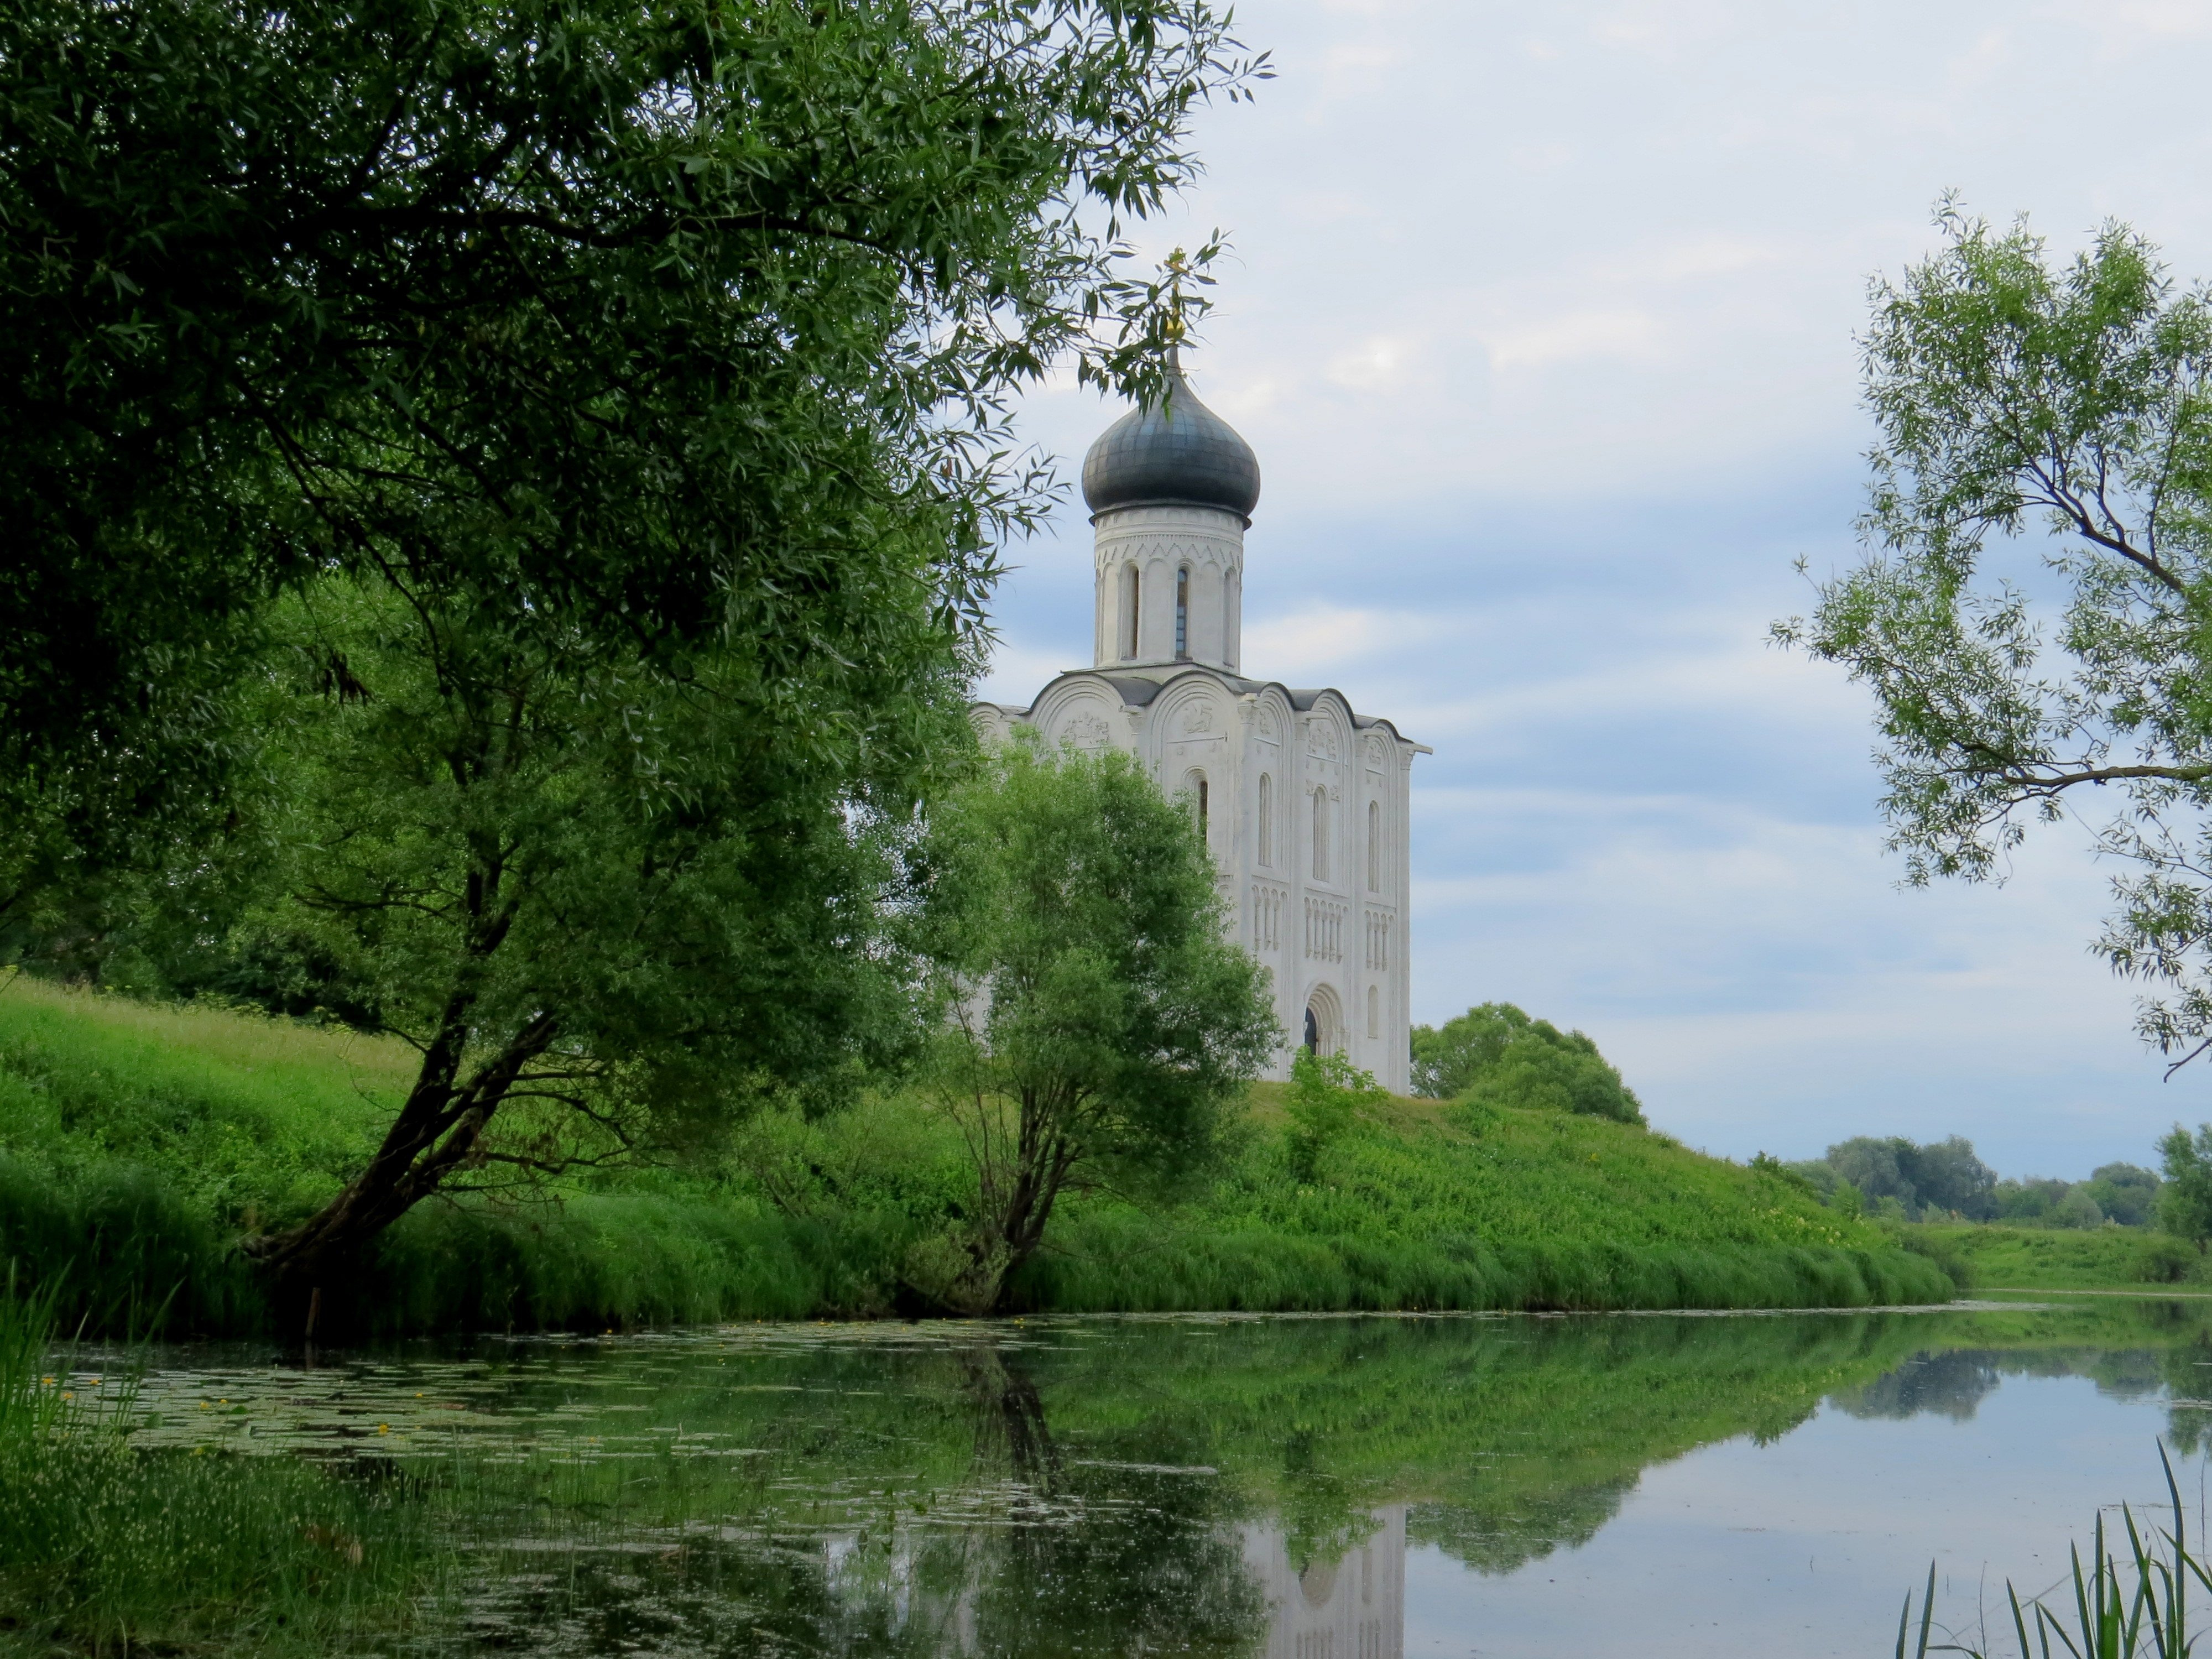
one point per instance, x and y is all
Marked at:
(1182, 454)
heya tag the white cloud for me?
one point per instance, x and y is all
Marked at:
(1625, 336)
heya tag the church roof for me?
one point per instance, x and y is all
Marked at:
(1178, 454)
(1138, 692)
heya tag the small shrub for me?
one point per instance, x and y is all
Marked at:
(1326, 1094)
(2163, 1259)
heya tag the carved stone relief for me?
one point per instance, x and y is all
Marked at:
(1089, 731)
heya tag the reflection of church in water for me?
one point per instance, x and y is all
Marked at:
(1302, 801)
(1354, 1608)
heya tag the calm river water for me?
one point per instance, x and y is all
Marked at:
(1302, 1488)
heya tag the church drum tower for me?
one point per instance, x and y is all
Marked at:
(1302, 801)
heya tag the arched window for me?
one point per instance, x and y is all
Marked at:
(1182, 611)
(1267, 819)
(1129, 594)
(1313, 1033)
(1374, 1011)
(1374, 845)
(1195, 790)
(1321, 835)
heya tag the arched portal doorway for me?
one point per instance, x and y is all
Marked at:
(1324, 1023)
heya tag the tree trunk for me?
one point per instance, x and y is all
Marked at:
(438, 1131)
(1043, 1169)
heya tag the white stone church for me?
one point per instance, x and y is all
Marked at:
(1303, 800)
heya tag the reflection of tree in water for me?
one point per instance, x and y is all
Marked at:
(1955, 1383)
(1499, 1541)
(1037, 1552)
(1952, 1385)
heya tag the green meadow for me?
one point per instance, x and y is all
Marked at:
(138, 1141)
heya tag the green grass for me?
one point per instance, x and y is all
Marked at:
(2055, 1259)
(138, 1143)
(106, 1549)
(1419, 1208)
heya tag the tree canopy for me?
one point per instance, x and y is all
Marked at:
(2033, 617)
(659, 329)
(1496, 1054)
(1939, 1177)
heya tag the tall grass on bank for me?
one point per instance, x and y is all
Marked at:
(1122, 1262)
(2118, 1610)
(139, 1143)
(104, 1549)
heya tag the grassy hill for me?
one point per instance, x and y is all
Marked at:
(137, 1141)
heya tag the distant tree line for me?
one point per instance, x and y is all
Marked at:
(1942, 1180)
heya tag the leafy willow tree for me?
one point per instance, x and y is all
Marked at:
(515, 484)
(1495, 1055)
(2055, 415)
(632, 325)
(1094, 1019)
(613, 911)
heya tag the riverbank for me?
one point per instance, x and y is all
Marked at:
(137, 1141)
(1992, 1256)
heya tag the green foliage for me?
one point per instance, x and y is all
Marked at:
(813, 1216)
(1941, 1246)
(1496, 1056)
(655, 328)
(2029, 1258)
(1847, 1200)
(2184, 1205)
(608, 910)
(1094, 1023)
(2163, 1261)
(2065, 409)
(541, 469)
(2124, 1193)
(1942, 1178)
(1789, 1174)
(1325, 1096)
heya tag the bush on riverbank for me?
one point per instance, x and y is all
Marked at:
(136, 1141)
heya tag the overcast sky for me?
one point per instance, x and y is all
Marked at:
(1541, 321)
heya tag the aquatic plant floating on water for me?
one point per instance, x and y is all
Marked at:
(2138, 1611)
